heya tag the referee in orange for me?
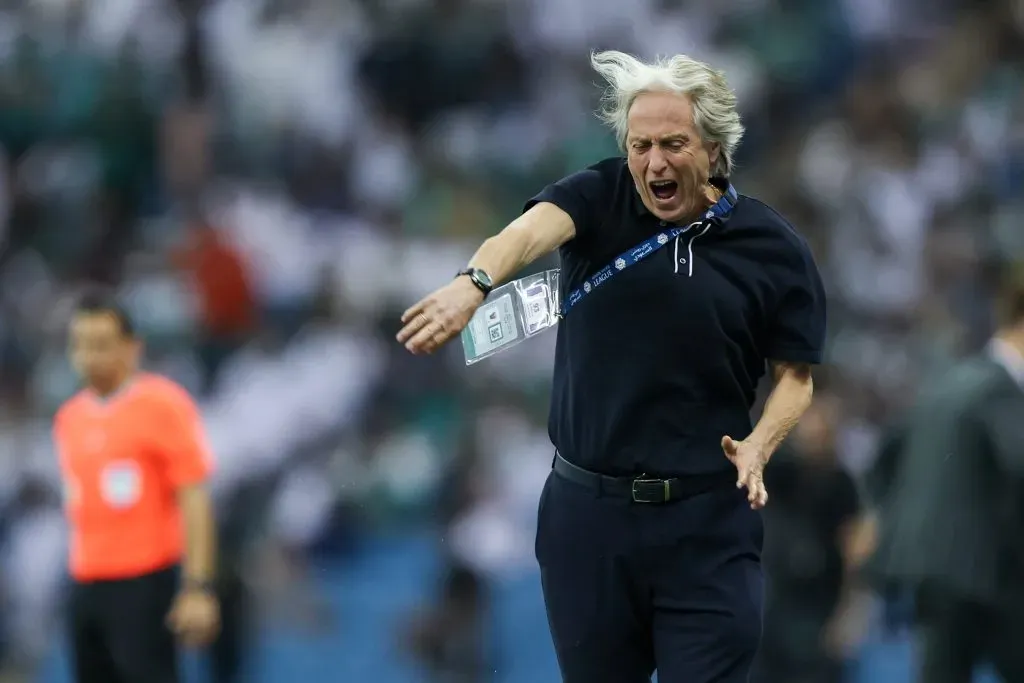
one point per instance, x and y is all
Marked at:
(135, 462)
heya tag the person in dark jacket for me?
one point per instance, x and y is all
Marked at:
(948, 489)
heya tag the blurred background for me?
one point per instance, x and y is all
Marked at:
(269, 183)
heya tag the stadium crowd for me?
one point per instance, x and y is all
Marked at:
(269, 183)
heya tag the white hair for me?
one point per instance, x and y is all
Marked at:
(714, 104)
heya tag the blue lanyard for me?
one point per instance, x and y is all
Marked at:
(641, 251)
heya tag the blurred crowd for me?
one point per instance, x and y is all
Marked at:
(269, 183)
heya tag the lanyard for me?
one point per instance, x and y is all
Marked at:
(641, 251)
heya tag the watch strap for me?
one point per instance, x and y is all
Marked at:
(474, 277)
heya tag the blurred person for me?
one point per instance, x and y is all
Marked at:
(810, 554)
(949, 490)
(297, 508)
(440, 56)
(241, 519)
(33, 574)
(450, 639)
(186, 125)
(233, 641)
(649, 549)
(134, 462)
(226, 296)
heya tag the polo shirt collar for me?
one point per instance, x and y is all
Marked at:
(1008, 356)
(718, 211)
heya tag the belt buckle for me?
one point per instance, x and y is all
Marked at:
(661, 485)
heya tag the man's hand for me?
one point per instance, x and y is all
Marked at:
(440, 316)
(749, 460)
(195, 617)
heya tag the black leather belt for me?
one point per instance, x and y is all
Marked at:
(643, 489)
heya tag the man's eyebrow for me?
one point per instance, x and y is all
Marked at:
(672, 137)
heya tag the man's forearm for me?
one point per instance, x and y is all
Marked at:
(790, 397)
(200, 560)
(501, 257)
(536, 233)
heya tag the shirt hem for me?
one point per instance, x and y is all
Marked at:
(135, 571)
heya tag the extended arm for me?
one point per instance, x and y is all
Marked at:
(445, 312)
(536, 233)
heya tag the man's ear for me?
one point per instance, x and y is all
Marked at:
(714, 149)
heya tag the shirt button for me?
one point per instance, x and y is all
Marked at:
(662, 223)
(682, 260)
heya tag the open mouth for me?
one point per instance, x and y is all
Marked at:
(663, 189)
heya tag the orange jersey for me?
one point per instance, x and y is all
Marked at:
(123, 460)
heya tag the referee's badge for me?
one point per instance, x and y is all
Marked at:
(121, 484)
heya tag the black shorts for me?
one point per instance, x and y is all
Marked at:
(119, 630)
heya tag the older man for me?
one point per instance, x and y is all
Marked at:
(678, 293)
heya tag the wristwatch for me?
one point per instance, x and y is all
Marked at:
(479, 278)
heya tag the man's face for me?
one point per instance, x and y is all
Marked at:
(668, 160)
(100, 351)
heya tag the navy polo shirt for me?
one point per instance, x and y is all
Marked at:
(659, 362)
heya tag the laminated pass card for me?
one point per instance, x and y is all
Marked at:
(513, 312)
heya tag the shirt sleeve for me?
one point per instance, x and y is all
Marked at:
(797, 332)
(182, 444)
(581, 195)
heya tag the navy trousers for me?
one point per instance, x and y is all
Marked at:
(633, 588)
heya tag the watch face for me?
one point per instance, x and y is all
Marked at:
(484, 278)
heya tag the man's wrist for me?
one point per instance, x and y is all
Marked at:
(197, 585)
(762, 446)
(480, 279)
(473, 285)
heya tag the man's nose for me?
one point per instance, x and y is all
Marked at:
(657, 162)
